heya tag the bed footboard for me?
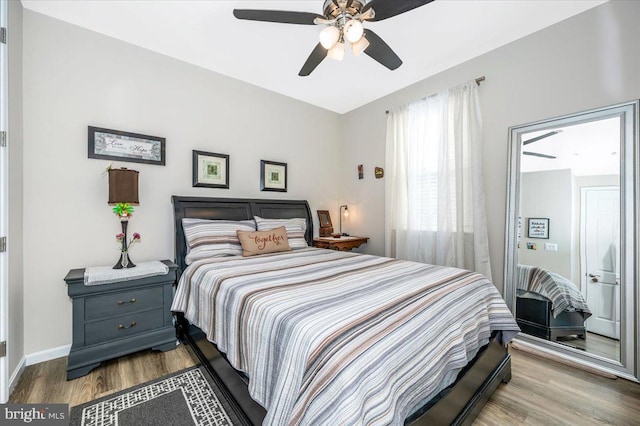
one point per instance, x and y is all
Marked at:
(459, 405)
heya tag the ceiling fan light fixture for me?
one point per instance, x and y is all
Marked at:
(360, 46)
(329, 37)
(353, 30)
(337, 51)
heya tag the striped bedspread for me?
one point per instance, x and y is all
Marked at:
(340, 338)
(564, 294)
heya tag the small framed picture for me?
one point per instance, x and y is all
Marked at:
(326, 227)
(210, 170)
(273, 176)
(107, 144)
(538, 228)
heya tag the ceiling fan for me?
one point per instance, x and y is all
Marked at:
(536, 139)
(343, 21)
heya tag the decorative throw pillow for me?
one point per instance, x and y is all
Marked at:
(296, 229)
(261, 242)
(213, 238)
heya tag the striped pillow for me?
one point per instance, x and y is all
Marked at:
(296, 229)
(213, 238)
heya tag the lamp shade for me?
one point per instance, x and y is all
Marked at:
(123, 186)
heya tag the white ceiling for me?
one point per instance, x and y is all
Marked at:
(428, 39)
(587, 149)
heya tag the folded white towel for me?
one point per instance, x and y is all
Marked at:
(106, 274)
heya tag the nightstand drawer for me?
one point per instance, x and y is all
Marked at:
(122, 326)
(108, 305)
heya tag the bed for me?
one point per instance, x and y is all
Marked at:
(472, 382)
(548, 305)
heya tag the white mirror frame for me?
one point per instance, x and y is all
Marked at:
(628, 366)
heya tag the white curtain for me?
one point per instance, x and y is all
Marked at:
(435, 209)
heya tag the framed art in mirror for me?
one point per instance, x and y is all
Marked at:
(538, 227)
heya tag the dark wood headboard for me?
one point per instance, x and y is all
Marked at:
(233, 209)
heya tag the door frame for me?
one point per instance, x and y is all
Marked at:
(583, 251)
(4, 212)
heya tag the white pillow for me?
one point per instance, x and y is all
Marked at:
(213, 238)
(296, 229)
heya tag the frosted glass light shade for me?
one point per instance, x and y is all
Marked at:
(353, 30)
(336, 52)
(329, 37)
(359, 46)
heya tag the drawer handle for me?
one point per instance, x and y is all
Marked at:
(121, 302)
(124, 327)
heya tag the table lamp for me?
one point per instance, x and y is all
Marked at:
(123, 194)
(346, 214)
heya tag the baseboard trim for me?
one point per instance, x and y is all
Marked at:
(13, 380)
(47, 354)
(562, 359)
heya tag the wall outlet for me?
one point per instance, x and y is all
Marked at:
(551, 246)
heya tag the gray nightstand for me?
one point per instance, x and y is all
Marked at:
(112, 320)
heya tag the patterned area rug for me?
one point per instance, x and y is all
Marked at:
(188, 397)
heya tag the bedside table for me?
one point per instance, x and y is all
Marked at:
(342, 243)
(112, 320)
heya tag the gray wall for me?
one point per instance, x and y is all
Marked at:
(587, 61)
(548, 194)
(74, 78)
(14, 237)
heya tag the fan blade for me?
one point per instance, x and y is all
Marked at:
(318, 54)
(281, 16)
(535, 154)
(537, 138)
(380, 51)
(388, 8)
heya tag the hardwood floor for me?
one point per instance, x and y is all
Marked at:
(594, 344)
(545, 392)
(541, 392)
(47, 382)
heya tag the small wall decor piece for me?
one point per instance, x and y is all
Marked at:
(326, 227)
(360, 171)
(538, 228)
(273, 176)
(107, 144)
(210, 170)
(532, 246)
(379, 172)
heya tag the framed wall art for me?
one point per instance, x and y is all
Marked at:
(210, 170)
(538, 228)
(108, 144)
(273, 176)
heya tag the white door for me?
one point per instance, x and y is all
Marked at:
(600, 247)
(4, 208)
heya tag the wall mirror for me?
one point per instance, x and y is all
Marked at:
(572, 237)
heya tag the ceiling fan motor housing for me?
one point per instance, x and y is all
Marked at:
(333, 9)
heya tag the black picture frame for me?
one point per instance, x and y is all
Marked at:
(273, 176)
(116, 145)
(210, 170)
(538, 227)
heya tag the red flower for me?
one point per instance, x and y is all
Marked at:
(136, 236)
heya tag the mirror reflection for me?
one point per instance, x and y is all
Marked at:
(568, 263)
